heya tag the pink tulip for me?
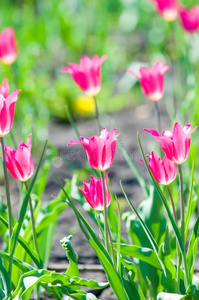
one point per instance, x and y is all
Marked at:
(93, 192)
(7, 110)
(164, 171)
(176, 143)
(189, 18)
(19, 162)
(4, 88)
(87, 74)
(8, 46)
(100, 150)
(168, 9)
(152, 80)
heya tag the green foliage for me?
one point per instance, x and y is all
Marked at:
(71, 255)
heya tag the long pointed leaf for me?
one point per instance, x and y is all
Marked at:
(5, 278)
(145, 254)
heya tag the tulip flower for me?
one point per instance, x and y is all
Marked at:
(7, 110)
(152, 80)
(164, 171)
(87, 74)
(8, 46)
(168, 9)
(19, 162)
(93, 192)
(176, 143)
(4, 88)
(100, 150)
(189, 19)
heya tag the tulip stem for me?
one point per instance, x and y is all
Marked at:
(157, 116)
(7, 188)
(97, 115)
(181, 203)
(32, 222)
(105, 213)
(112, 249)
(97, 217)
(177, 248)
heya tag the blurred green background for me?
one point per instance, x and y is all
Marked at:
(52, 33)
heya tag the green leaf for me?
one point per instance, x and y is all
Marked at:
(31, 252)
(71, 255)
(169, 296)
(192, 248)
(42, 179)
(23, 266)
(169, 278)
(147, 231)
(5, 278)
(143, 232)
(145, 254)
(48, 217)
(190, 204)
(30, 279)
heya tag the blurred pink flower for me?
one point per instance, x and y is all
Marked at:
(7, 110)
(189, 19)
(164, 171)
(152, 80)
(168, 9)
(100, 150)
(19, 162)
(8, 46)
(176, 143)
(4, 88)
(93, 192)
(87, 74)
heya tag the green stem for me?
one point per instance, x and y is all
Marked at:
(97, 115)
(187, 273)
(105, 213)
(7, 188)
(32, 221)
(177, 248)
(112, 249)
(118, 237)
(99, 225)
(182, 205)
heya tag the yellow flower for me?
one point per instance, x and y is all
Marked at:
(84, 104)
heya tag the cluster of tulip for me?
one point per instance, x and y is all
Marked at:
(101, 149)
(170, 10)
